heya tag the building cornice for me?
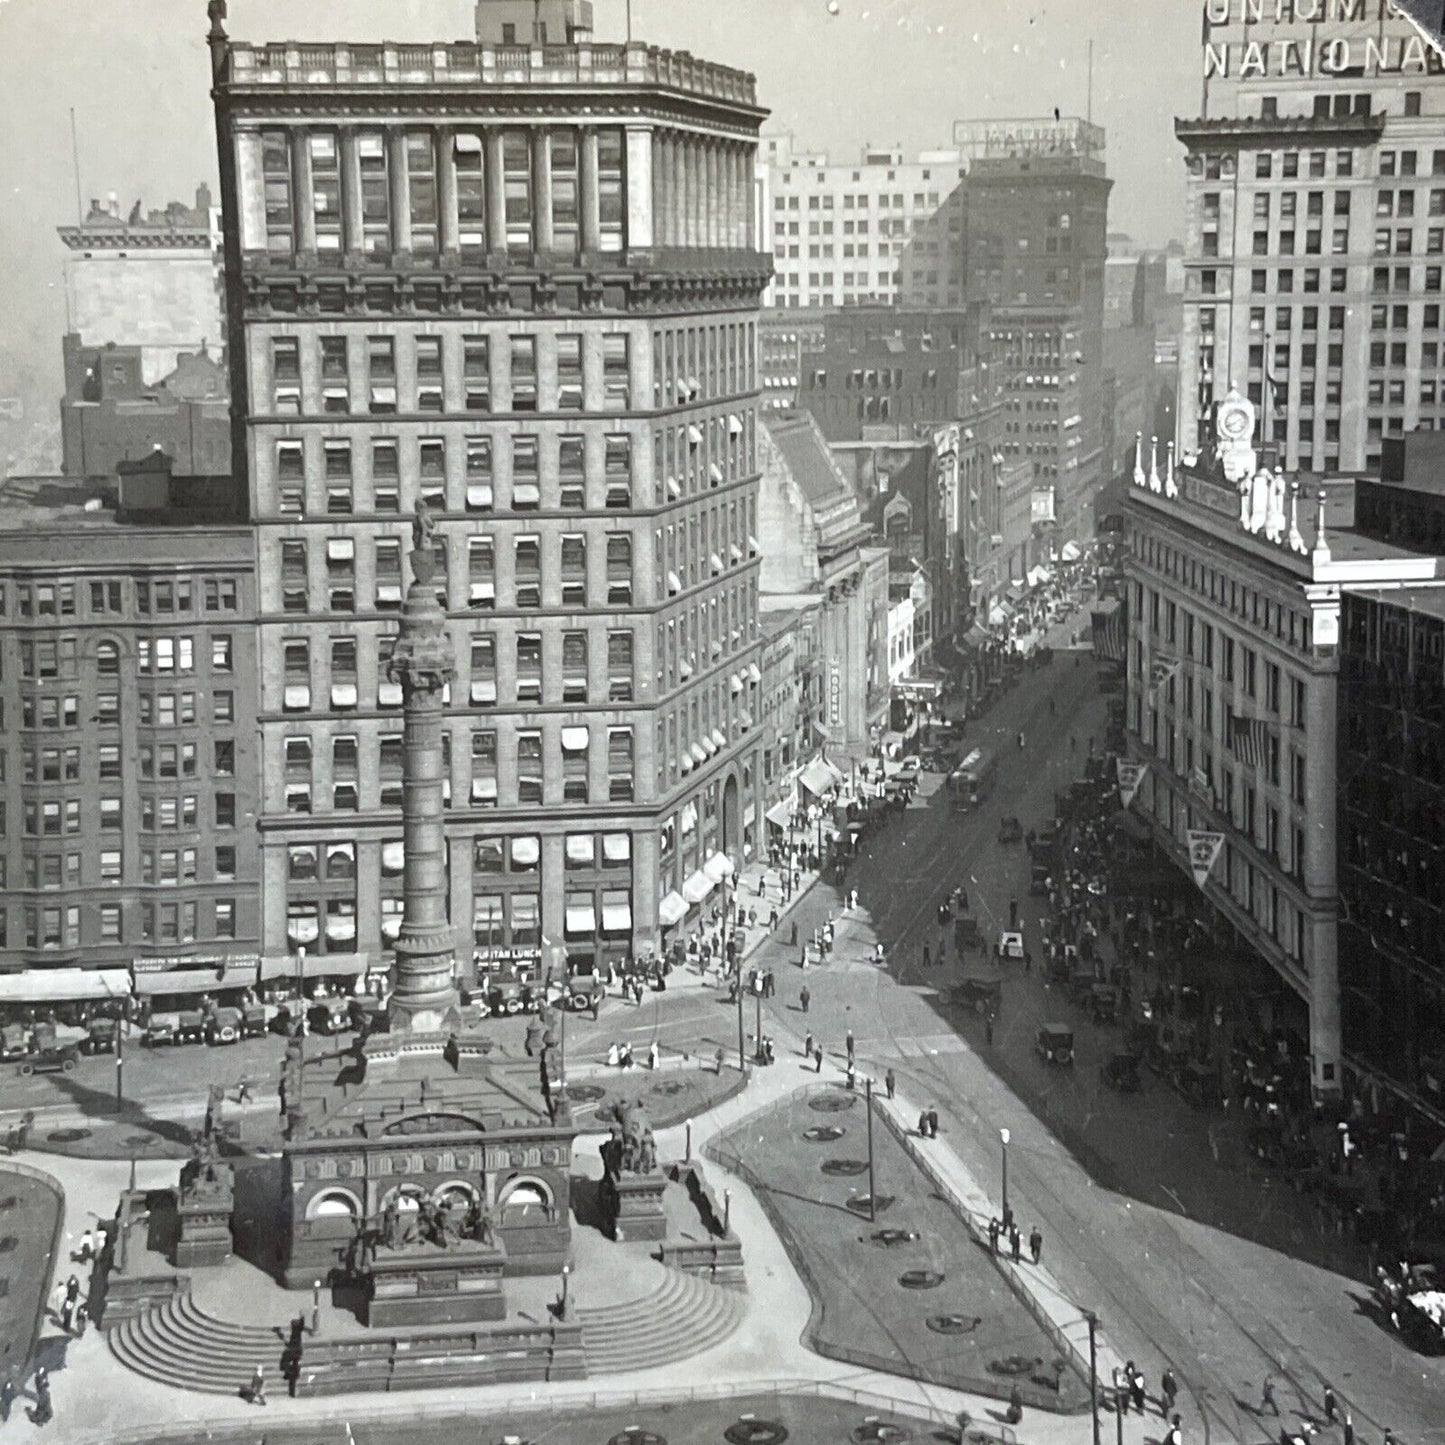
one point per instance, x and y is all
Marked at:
(1250, 132)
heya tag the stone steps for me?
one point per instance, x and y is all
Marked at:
(179, 1344)
(682, 1318)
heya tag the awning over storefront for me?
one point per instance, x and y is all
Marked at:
(64, 985)
(181, 981)
(718, 867)
(1039, 575)
(332, 965)
(617, 918)
(819, 777)
(671, 909)
(581, 920)
(697, 887)
(1070, 552)
(779, 815)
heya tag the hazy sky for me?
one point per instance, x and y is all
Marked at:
(880, 71)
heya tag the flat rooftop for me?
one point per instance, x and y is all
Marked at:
(1426, 601)
(290, 64)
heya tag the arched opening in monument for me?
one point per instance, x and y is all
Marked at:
(732, 833)
(408, 1198)
(526, 1201)
(335, 1204)
(456, 1194)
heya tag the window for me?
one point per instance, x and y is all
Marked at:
(565, 214)
(523, 352)
(529, 768)
(479, 474)
(619, 764)
(574, 570)
(432, 473)
(335, 375)
(375, 199)
(326, 192)
(381, 374)
(484, 775)
(619, 667)
(575, 769)
(421, 169)
(619, 569)
(276, 183)
(529, 667)
(517, 190)
(526, 477)
(476, 373)
(571, 473)
(385, 475)
(110, 923)
(569, 373)
(527, 571)
(390, 761)
(618, 472)
(345, 774)
(481, 574)
(616, 373)
(225, 808)
(611, 212)
(388, 574)
(484, 670)
(294, 596)
(574, 667)
(286, 375)
(429, 374)
(221, 655)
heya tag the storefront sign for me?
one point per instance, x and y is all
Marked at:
(501, 953)
(1072, 137)
(1131, 775)
(835, 694)
(195, 960)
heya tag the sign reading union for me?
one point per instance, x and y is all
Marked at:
(1323, 48)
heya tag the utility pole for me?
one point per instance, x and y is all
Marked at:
(120, 1063)
(1093, 1320)
(872, 1186)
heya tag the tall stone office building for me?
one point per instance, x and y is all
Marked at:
(512, 280)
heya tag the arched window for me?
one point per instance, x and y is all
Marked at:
(107, 659)
(334, 1204)
(526, 1201)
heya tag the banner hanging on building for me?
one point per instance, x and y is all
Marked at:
(1249, 740)
(1131, 775)
(1204, 849)
(1161, 669)
(1108, 630)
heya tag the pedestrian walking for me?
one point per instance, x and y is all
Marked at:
(1015, 1411)
(1036, 1243)
(1137, 1392)
(67, 1315)
(890, 1082)
(849, 1044)
(1021, 740)
(654, 1055)
(72, 1289)
(932, 1122)
(44, 1411)
(82, 1319)
(994, 1230)
(927, 957)
(1130, 1393)
(804, 998)
(256, 1390)
(988, 1029)
(1266, 1397)
(1332, 1405)
(1015, 1243)
(773, 921)
(1168, 1392)
(243, 1092)
(808, 1045)
(1174, 1435)
(851, 1076)
(923, 1125)
(1349, 1429)
(1073, 743)
(818, 1059)
(1389, 1437)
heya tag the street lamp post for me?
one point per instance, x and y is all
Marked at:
(1093, 1320)
(758, 998)
(120, 1063)
(872, 1185)
(1004, 1137)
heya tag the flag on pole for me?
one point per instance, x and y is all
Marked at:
(1204, 850)
(1131, 775)
(1161, 669)
(1108, 630)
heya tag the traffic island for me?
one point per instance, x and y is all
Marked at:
(917, 1296)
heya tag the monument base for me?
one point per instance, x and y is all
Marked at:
(634, 1206)
(203, 1236)
(425, 1286)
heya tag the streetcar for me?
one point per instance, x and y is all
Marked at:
(972, 780)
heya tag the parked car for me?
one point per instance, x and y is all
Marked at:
(14, 1042)
(255, 1021)
(1122, 1073)
(1010, 830)
(982, 995)
(1104, 1003)
(909, 769)
(225, 1026)
(100, 1036)
(585, 993)
(188, 1026)
(1054, 1044)
(330, 1016)
(60, 1060)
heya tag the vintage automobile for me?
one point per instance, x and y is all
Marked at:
(1039, 875)
(255, 1021)
(1121, 1072)
(14, 1042)
(1010, 830)
(60, 1059)
(1010, 946)
(1104, 1003)
(188, 1026)
(967, 934)
(100, 1036)
(225, 1026)
(982, 995)
(1412, 1302)
(330, 1016)
(1054, 1044)
(584, 993)
(909, 769)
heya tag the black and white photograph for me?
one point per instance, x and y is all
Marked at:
(722, 721)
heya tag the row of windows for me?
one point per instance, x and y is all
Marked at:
(475, 373)
(896, 200)
(60, 926)
(107, 597)
(348, 200)
(163, 761)
(58, 817)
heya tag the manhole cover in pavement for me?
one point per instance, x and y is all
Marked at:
(862, 1203)
(636, 1435)
(954, 1324)
(585, 1093)
(893, 1238)
(755, 1432)
(832, 1103)
(141, 1141)
(67, 1136)
(845, 1166)
(877, 1432)
(920, 1279)
(824, 1133)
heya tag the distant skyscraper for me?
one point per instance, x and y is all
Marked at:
(1316, 230)
(516, 283)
